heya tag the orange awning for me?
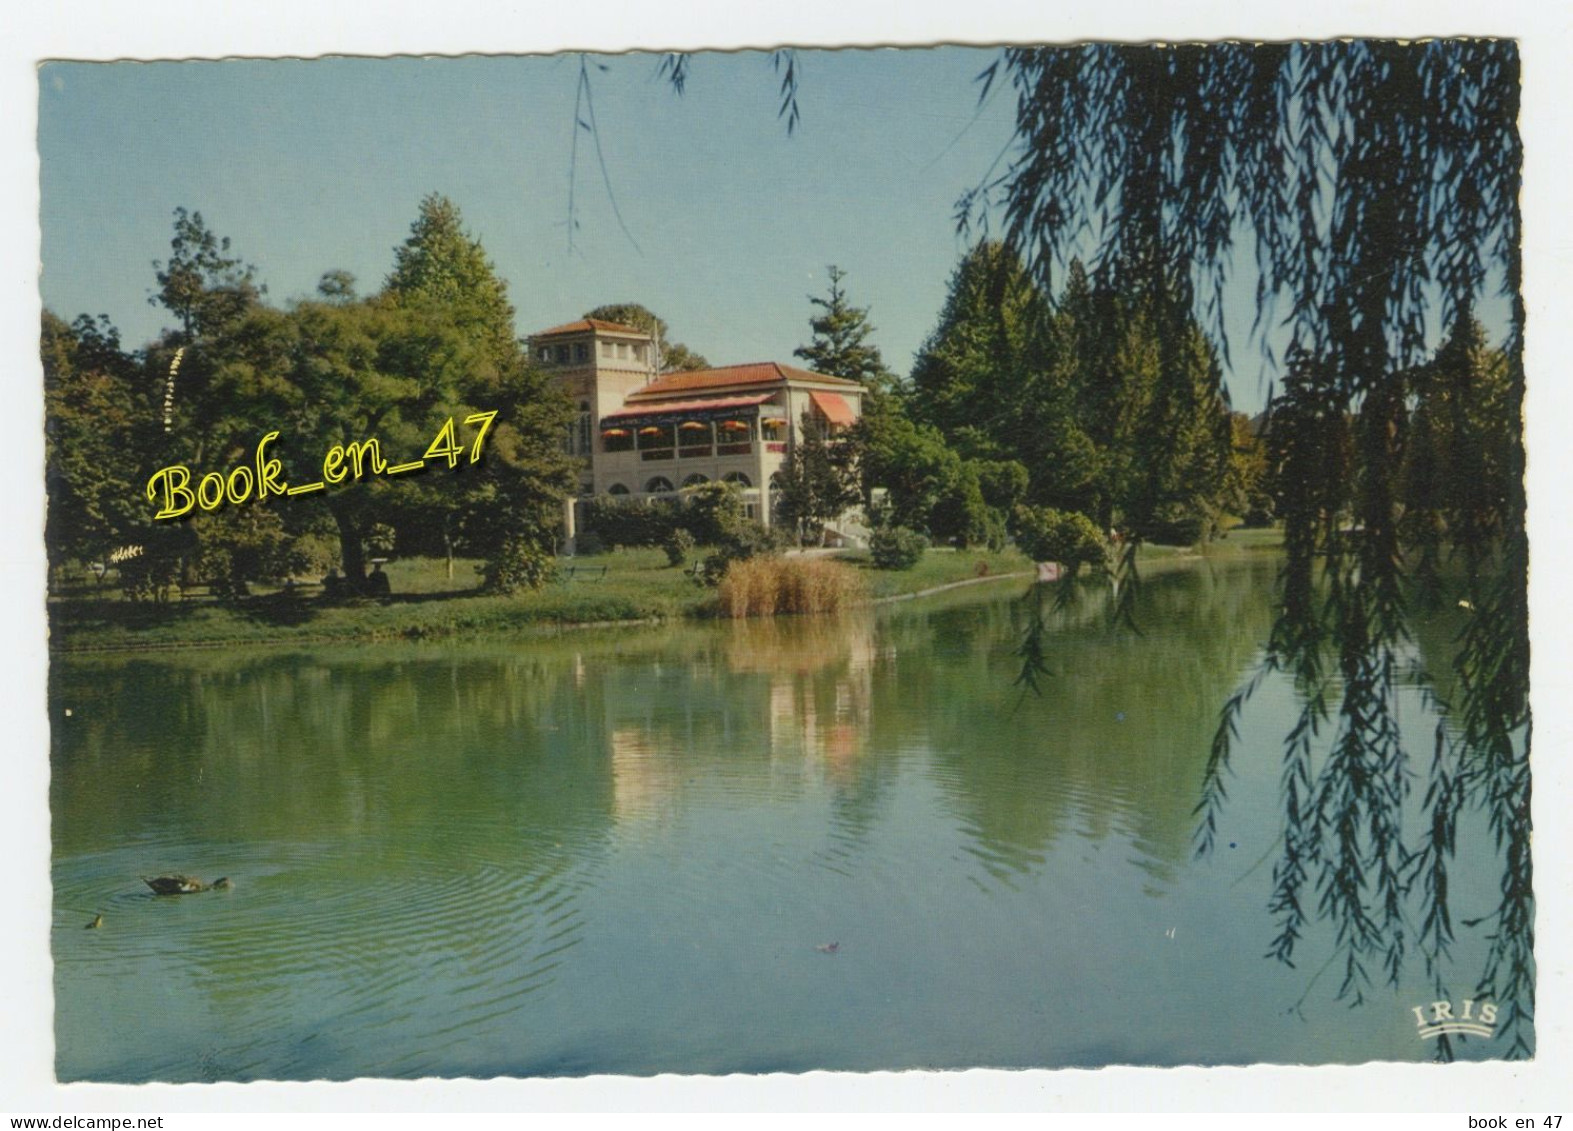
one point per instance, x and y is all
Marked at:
(834, 406)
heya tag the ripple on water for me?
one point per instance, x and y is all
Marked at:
(306, 961)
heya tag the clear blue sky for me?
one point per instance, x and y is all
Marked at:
(309, 165)
(316, 164)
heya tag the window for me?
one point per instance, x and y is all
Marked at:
(660, 485)
(639, 353)
(606, 349)
(622, 349)
(562, 355)
(773, 428)
(581, 351)
(617, 489)
(737, 478)
(695, 480)
(544, 353)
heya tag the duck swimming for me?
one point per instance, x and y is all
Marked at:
(184, 885)
(98, 921)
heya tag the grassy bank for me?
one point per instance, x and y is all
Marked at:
(628, 585)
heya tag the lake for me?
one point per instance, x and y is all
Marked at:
(702, 848)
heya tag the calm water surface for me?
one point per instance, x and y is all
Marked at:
(623, 852)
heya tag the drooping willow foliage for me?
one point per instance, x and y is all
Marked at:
(1377, 183)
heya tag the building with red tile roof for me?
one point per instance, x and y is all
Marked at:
(643, 433)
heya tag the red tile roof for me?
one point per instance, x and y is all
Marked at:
(585, 324)
(758, 373)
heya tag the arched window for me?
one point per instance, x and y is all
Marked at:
(695, 480)
(660, 485)
(617, 489)
(737, 478)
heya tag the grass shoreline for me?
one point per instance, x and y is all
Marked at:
(637, 588)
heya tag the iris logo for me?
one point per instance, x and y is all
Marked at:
(1477, 1022)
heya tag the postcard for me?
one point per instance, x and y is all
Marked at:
(700, 563)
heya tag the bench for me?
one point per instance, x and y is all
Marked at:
(583, 573)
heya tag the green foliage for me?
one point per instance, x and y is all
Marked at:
(896, 547)
(675, 356)
(630, 522)
(817, 483)
(1002, 482)
(1379, 182)
(201, 284)
(96, 419)
(710, 513)
(910, 461)
(518, 563)
(1048, 535)
(149, 577)
(749, 540)
(588, 544)
(840, 345)
(960, 515)
(237, 545)
(443, 266)
(678, 545)
(713, 512)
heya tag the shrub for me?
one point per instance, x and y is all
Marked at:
(148, 577)
(313, 554)
(520, 563)
(712, 512)
(588, 544)
(1048, 535)
(1172, 526)
(771, 586)
(896, 547)
(678, 545)
(749, 540)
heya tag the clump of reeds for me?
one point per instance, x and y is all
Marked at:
(770, 586)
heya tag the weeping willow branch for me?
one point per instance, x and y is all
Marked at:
(1379, 183)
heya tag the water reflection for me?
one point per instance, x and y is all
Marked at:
(619, 851)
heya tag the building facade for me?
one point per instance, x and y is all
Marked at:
(643, 434)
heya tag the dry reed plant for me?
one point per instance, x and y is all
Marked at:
(769, 586)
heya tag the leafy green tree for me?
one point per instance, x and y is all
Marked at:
(1380, 184)
(840, 345)
(910, 461)
(975, 368)
(96, 417)
(1245, 489)
(443, 266)
(1455, 488)
(1048, 535)
(816, 484)
(201, 283)
(675, 356)
(510, 509)
(960, 514)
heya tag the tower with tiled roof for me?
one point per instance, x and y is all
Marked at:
(597, 364)
(644, 434)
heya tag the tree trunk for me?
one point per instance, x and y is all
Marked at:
(351, 551)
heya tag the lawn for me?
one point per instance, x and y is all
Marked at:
(624, 585)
